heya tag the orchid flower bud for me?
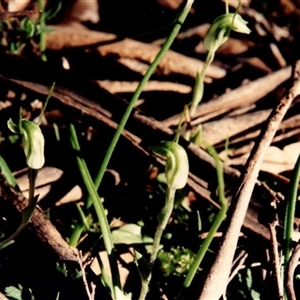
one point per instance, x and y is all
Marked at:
(219, 30)
(33, 142)
(177, 166)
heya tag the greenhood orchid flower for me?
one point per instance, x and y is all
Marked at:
(219, 30)
(177, 166)
(33, 142)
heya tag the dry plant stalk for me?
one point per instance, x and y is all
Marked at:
(215, 282)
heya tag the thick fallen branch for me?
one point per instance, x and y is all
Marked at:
(216, 280)
(39, 225)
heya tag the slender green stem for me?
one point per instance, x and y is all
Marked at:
(226, 7)
(198, 90)
(199, 83)
(83, 217)
(32, 174)
(290, 212)
(178, 131)
(78, 229)
(100, 212)
(215, 226)
(139, 89)
(46, 103)
(163, 219)
(76, 234)
(43, 33)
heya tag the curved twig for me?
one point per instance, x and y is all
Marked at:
(289, 279)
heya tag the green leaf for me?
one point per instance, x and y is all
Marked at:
(130, 234)
(13, 292)
(18, 293)
(255, 295)
(9, 177)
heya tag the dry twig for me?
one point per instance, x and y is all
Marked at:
(276, 259)
(289, 280)
(90, 291)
